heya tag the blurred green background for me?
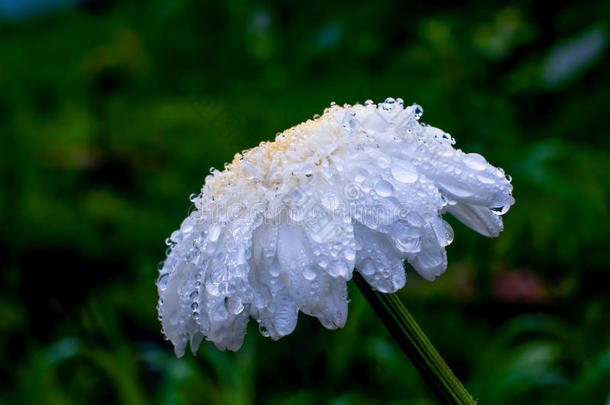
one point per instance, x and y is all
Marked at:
(111, 113)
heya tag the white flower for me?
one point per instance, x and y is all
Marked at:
(281, 229)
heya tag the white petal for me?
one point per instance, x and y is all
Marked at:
(379, 263)
(431, 261)
(480, 219)
(468, 178)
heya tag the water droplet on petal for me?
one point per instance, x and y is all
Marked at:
(367, 268)
(234, 305)
(213, 289)
(187, 226)
(414, 219)
(338, 269)
(449, 234)
(214, 232)
(383, 162)
(309, 273)
(349, 254)
(384, 188)
(486, 180)
(418, 112)
(408, 241)
(176, 237)
(360, 175)
(162, 280)
(475, 161)
(404, 172)
(274, 269)
(500, 210)
(263, 330)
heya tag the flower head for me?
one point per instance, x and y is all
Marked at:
(281, 229)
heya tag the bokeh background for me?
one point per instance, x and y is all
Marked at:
(111, 113)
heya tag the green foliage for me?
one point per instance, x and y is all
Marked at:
(112, 112)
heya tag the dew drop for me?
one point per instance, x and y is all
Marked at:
(214, 232)
(234, 305)
(176, 237)
(213, 289)
(274, 269)
(187, 226)
(404, 172)
(263, 330)
(309, 273)
(408, 244)
(449, 234)
(162, 280)
(349, 254)
(338, 269)
(500, 210)
(367, 268)
(418, 112)
(383, 162)
(384, 188)
(500, 173)
(475, 161)
(360, 175)
(485, 180)
(414, 219)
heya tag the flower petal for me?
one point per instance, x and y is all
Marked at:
(379, 263)
(281, 229)
(480, 219)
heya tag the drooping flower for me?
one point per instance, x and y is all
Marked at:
(283, 227)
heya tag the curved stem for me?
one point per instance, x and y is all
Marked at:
(415, 344)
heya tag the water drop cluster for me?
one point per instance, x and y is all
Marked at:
(281, 229)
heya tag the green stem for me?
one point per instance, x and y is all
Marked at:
(415, 344)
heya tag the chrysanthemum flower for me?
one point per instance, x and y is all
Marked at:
(283, 227)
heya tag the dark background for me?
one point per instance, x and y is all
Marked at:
(111, 113)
